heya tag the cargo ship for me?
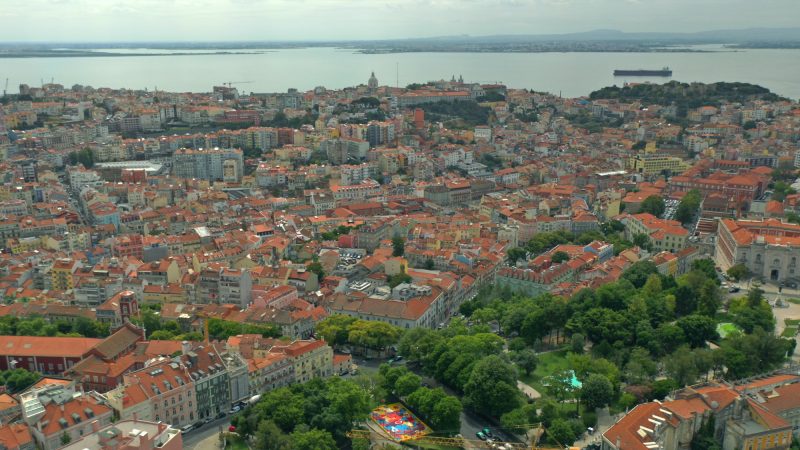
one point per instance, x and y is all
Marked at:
(665, 72)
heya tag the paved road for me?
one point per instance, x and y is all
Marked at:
(205, 437)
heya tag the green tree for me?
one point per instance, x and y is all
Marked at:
(705, 438)
(706, 266)
(562, 433)
(560, 257)
(738, 271)
(492, 387)
(681, 366)
(16, 380)
(526, 360)
(399, 278)
(374, 335)
(639, 272)
(654, 205)
(65, 438)
(268, 435)
(688, 207)
(312, 439)
(316, 268)
(577, 342)
(698, 329)
(398, 246)
(417, 343)
(335, 329)
(597, 391)
(710, 299)
(162, 335)
(428, 264)
(515, 254)
(640, 367)
(446, 414)
(407, 384)
(516, 418)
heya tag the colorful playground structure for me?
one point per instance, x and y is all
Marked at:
(399, 423)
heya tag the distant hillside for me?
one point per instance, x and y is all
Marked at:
(685, 95)
(712, 36)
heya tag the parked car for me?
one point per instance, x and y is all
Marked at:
(733, 290)
(480, 435)
(488, 432)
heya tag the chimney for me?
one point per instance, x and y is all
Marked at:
(135, 417)
(619, 442)
(185, 347)
(95, 426)
(145, 442)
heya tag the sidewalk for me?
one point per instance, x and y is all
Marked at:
(604, 422)
(209, 443)
(529, 392)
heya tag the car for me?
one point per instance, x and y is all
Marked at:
(187, 428)
(733, 290)
(480, 435)
(221, 415)
(488, 432)
(398, 358)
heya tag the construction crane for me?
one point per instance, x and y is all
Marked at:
(5, 88)
(229, 83)
(458, 442)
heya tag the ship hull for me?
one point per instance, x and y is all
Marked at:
(643, 73)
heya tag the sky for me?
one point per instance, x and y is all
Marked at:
(292, 20)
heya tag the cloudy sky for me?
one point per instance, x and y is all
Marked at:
(203, 20)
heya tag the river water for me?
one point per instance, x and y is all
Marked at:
(570, 74)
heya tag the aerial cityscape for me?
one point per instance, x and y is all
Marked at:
(500, 238)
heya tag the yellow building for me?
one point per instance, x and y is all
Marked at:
(61, 274)
(311, 359)
(154, 294)
(656, 163)
(23, 245)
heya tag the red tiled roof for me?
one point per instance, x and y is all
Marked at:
(67, 347)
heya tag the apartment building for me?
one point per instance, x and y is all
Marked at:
(663, 234)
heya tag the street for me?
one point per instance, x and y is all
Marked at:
(206, 437)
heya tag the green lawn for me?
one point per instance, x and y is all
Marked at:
(549, 363)
(726, 328)
(796, 301)
(792, 322)
(789, 332)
